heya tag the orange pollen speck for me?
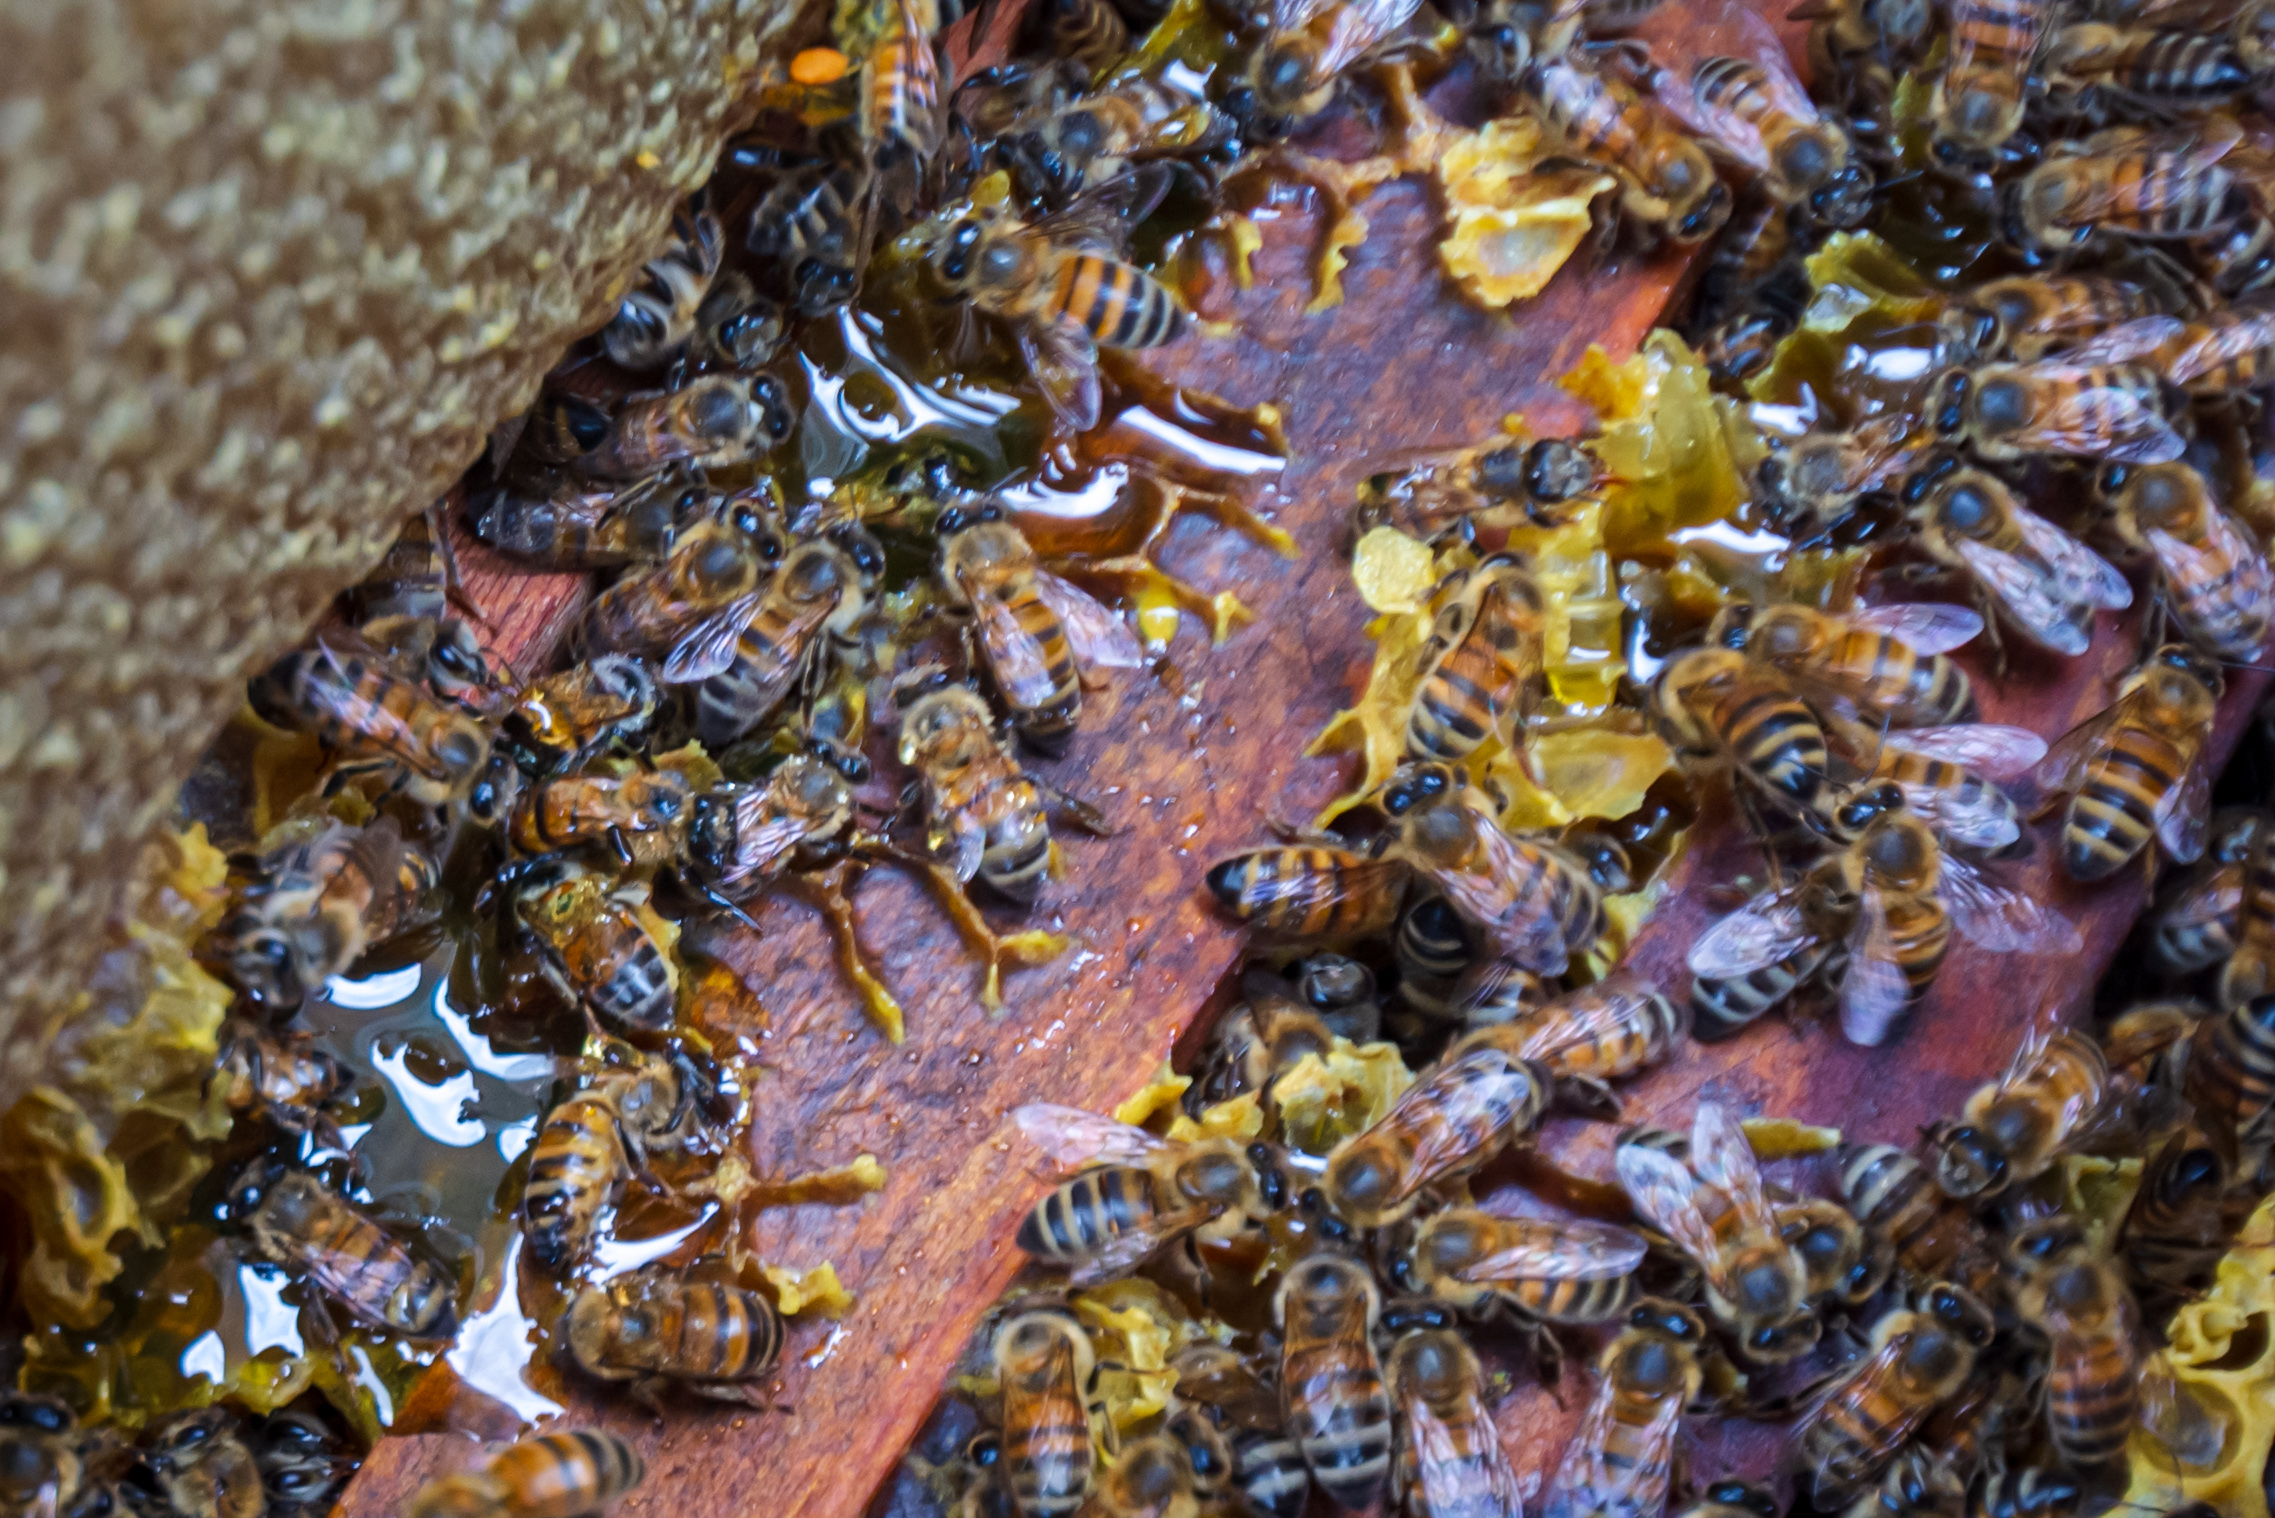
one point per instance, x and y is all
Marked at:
(818, 65)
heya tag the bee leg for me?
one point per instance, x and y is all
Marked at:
(731, 908)
(350, 769)
(1585, 1096)
(453, 583)
(1081, 812)
(620, 848)
(649, 1391)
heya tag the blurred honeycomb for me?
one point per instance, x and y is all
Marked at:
(269, 272)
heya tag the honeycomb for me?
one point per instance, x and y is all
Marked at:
(269, 273)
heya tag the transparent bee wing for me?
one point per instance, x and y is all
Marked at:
(1765, 931)
(1097, 634)
(1352, 875)
(2183, 563)
(1992, 917)
(1518, 926)
(2029, 597)
(1355, 26)
(764, 837)
(1127, 1251)
(959, 843)
(1075, 1138)
(2234, 335)
(1062, 357)
(2097, 421)
(2203, 901)
(1015, 657)
(1979, 822)
(2064, 766)
(2126, 342)
(2083, 574)
(1873, 988)
(1666, 1194)
(1535, 1249)
(1722, 1158)
(2184, 815)
(1450, 1475)
(1928, 627)
(1988, 748)
(1294, 15)
(708, 646)
(1591, 1483)
(1104, 215)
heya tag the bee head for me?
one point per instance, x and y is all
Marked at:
(1282, 74)
(1947, 401)
(1704, 219)
(1970, 1163)
(1415, 785)
(1845, 199)
(1741, 1495)
(1219, 1176)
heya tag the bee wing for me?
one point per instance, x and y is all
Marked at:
(1763, 932)
(1126, 1252)
(1724, 1160)
(764, 836)
(2083, 574)
(1075, 1137)
(1104, 215)
(1063, 359)
(1539, 1250)
(1353, 875)
(1988, 748)
(2184, 563)
(2238, 336)
(1356, 26)
(1666, 1193)
(707, 647)
(1015, 657)
(1992, 917)
(1447, 1471)
(1521, 928)
(2064, 765)
(2127, 341)
(1097, 634)
(2028, 596)
(1928, 627)
(2184, 815)
(1979, 822)
(2108, 422)
(1589, 1481)
(1873, 988)
(1293, 15)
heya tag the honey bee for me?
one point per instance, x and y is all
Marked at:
(709, 423)
(559, 721)
(280, 1078)
(736, 327)
(576, 524)
(1312, 892)
(640, 818)
(809, 224)
(596, 950)
(349, 694)
(2089, 62)
(1471, 1104)
(2131, 184)
(1308, 44)
(1723, 1006)
(302, 1463)
(1732, 1499)
(1268, 1466)
(1714, 1209)
(2231, 1068)
(698, 598)
(1747, 102)
(1621, 1459)
(1919, 1358)
(293, 1220)
(1840, 1262)
(2043, 582)
(2093, 1378)
(589, 1143)
(1881, 662)
(2042, 314)
(984, 816)
(658, 1327)
(2119, 411)
(1715, 704)
(1598, 1033)
(1043, 1361)
(2181, 1220)
(1890, 1192)
(1059, 148)
(203, 1468)
(1977, 103)
(1948, 779)
(318, 902)
(1450, 1460)
(900, 99)
(1915, 1485)
(1537, 1270)
(1511, 484)
(2224, 351)
(652, 324)
(2015, 1127)
(1484, 664)
(1152, 1478)
(1331, 1387)
(2213, 576)
(404, 609)
(1062, 295)
(1031, 627)
(741, 837)
(2131, 771)
(1140, 1194)
(2194, 921)
(559, 1475)
(1667, 184)
(815, 601)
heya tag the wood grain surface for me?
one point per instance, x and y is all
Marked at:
(1188, 765)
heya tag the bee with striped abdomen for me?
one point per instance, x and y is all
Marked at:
(1474, 1102)
(2183, 1217)
(1718, 707)
(1310, 892)
(1308, 44)
(1539, 1271)
(1714, 1209)
(1978, 99)
(661, 1327)
(2012, 1129)
(294, 1220)
(2042, 314)
(1034, 632)
(1919, 1358)
(2213, 575)
(1331, 1389)
(900, 103)
(317, 901)
(653, 323)
(597, 951)
(1890, 1192)
(1139, 1194)
(1873, 662)
(811, 606)
(589, 1144)
(577, 524)
(2131, 772)
(983, 816)
(2109, 409)
(1483, 669)
(1948, 778)
(1055, 285)
(2230, 1079)
(2093, 1377)
(701, 594)
(570, 1474)
(352, 697)
(1059, 148)
(1450, 1460)
(1621, 1458)
(2091, 67)
(2193, 924)
(709, 423)
(1510, 484)
(1668, 186)
(1616, 1027)
(2043, 582)
(739, 838)
(1044, 1362)
(1724, 1005)
(559, 721)
(2129, 184)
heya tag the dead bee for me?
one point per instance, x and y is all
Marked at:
(294, 1220)
(661, 1327)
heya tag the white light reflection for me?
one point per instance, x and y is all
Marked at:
(1217, 456)
(1899, 364)
(476, 1048)
(1098, 495)
(1724, 535)
(270, 1321)
(367, 1377)
(205, 1357)
(513, 1138)
(616, 1255)
(492, 1348)
(443, 1113)
(374, 991)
